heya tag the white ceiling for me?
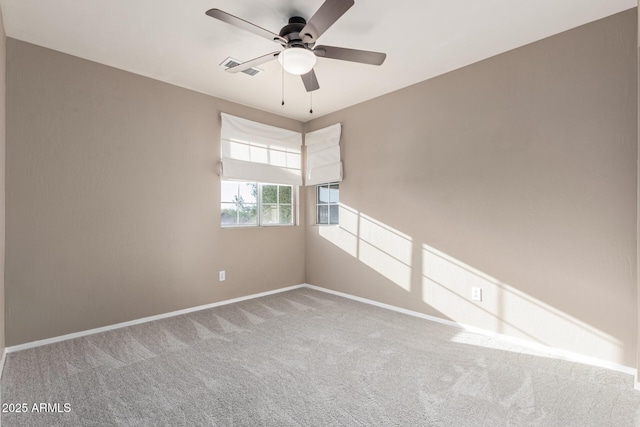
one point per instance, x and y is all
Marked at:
(174, 41)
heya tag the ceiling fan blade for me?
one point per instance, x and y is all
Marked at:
(310, 81)
(353, 55)
(253, 62)
(245, 25)
(324, 17)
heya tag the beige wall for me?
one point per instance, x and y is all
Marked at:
(517, 175)
(113, 200)
(638, 208)
(3, 56)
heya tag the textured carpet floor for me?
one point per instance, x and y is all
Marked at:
(307, 358)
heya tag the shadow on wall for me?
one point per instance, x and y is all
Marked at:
(446, 285)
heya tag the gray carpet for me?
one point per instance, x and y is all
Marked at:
(312, 359)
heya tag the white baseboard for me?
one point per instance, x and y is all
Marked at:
(556, 352)
(52, 340)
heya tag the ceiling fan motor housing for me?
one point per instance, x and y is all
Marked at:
(291, 32)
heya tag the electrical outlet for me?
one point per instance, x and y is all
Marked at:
(476, 294)
(221, 275)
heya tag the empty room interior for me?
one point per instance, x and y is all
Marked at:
(319, 213)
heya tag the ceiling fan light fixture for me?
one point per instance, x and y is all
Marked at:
(297, 60)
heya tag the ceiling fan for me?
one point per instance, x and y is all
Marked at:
(298, 38)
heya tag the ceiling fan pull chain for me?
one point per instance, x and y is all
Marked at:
(283, 83)
(311, 102)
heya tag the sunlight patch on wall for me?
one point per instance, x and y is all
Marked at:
(344, 236)
(377, 245)
(446, 286)
(386, 250)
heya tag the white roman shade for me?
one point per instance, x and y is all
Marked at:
(323, 155)
(254, 151)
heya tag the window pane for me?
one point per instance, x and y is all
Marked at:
(285, 194)
(285, 215)
(334, 214)
(248, 192)
(323, 214)
(334, 194)
(269, 214)
(323, 194)
(228, 214)
(229, 191)
(269, 194)
(248, 214)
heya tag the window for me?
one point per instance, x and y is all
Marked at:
(327, 203)
(323, 162)
(277, 204)
(255, 152)
(245, 204)
(239, 203)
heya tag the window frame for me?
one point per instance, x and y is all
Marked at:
(328, 204)
(259, 204)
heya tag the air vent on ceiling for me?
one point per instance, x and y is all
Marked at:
(231, 62)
